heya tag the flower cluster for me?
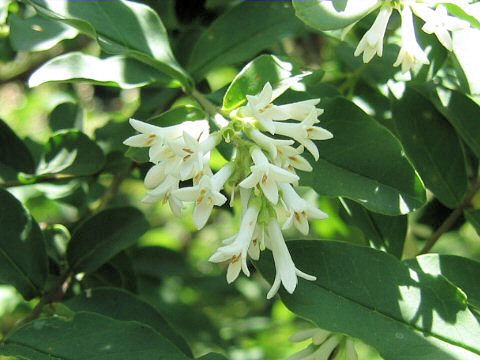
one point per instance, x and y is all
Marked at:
(263, 171)
(436, 21)
(325, 346)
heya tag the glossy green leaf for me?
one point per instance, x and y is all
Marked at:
(461, 111)
(159, 262)
(23, 256)
(71, 152)
(262, 25)
(37, 33)
(461, 271)
(121, 305)
(250, 81)
(66, 115)
(473, 217)
(120, 27)
(332, 15)
(102, 236)
(433, 146)
(89, 336)
(467, 55)
(386, 233)
(363, 162)
(212, 356)
(118, 71)
(14, 154)
(171, 117)
(370, 295)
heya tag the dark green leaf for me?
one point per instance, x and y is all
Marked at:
(168, 118)
(252, 78)
(461, 111)
(473, 216)
(331, 15)
(466, 56)
(71, 152)
(363, 162)
(433, 146)
(104, 235)
(122, 305)
(14, 154)
(56, 240)
(118, 273)
(461, 271)
(386, 233)
(23, 256)
(370, 295)
(89, 336)
(67, 115)
(261, 24)
(159, 262)
(120, 27)
(37, 33)
(118, 71)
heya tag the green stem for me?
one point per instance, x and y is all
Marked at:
(452, 218)
(53, 178)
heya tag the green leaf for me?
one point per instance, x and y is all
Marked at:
(89, 336)
(66, 115)
(22, 249)
(102, 236)
(118, 273)
(37, 33)
(252, 78)
(14, 154)
(461, 271)
(158, 262)
(71, 152)
(262, 24)
(118, 71)
(332, 15)
(467, 57)
(386, 233)
(370, 295)
(171, 117)
(363, 162)
(433, 146)
(461, 111)
(473, 216)
(212, 356)
(120, 27)
(121, 305)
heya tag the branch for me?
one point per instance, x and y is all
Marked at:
(452, 218)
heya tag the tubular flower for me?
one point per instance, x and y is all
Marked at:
(410, 53)
(323, 345)
(262, 170)
(372, 41)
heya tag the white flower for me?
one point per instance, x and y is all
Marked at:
(260, 108)
(410, 53)
(305, 132)
(192, 152)
(155, 136)
(258, 242)
(300, 209)
(372, 41)
(289, 157)
(286, 272)
(237, 246)
(300, 110)
(206, 194)
(267, 175)
(438, 22)
(266, 142)
(163, 192)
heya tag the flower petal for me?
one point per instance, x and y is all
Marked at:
(201, 213)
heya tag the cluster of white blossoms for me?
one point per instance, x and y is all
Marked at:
(325, 346)
(436, 21)
(263, 171)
